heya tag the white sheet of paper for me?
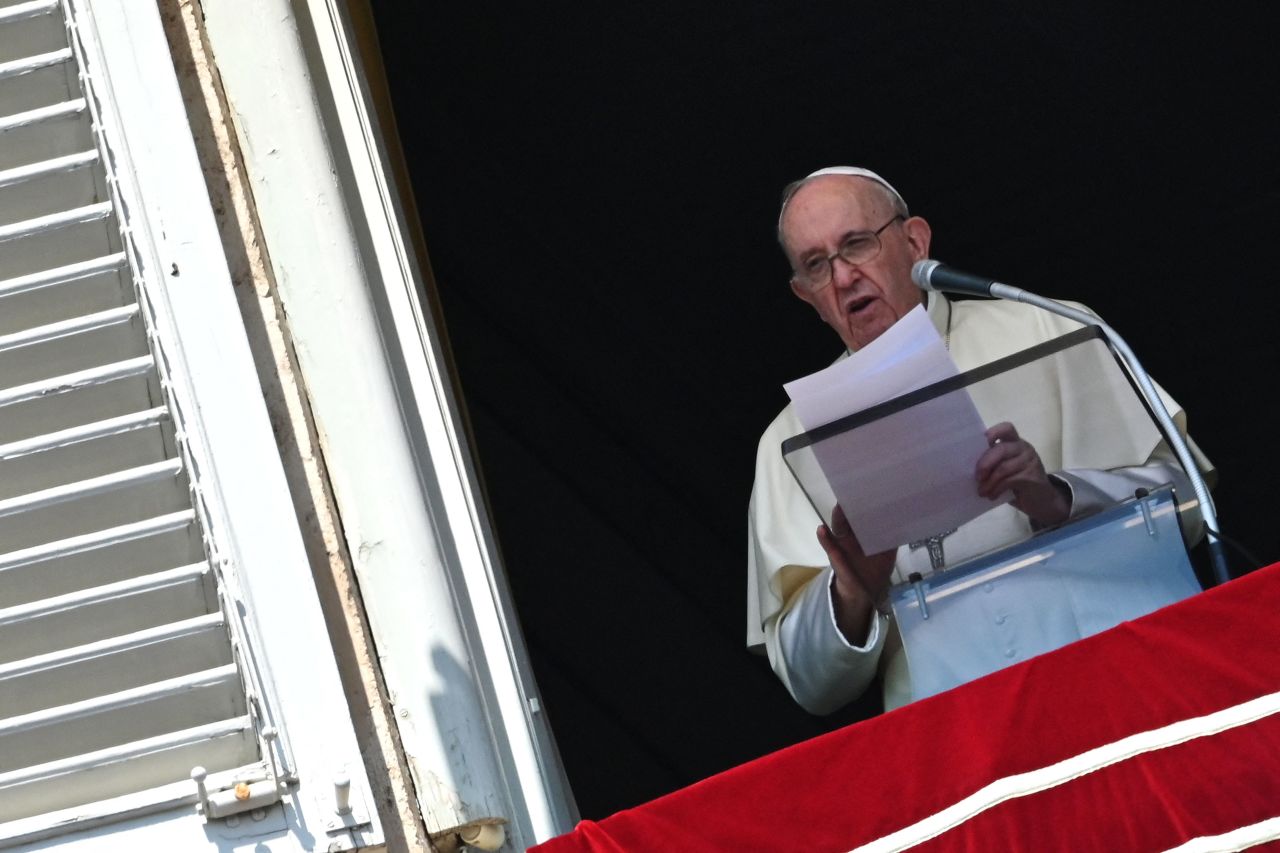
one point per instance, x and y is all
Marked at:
(909, 475)
(909, 355)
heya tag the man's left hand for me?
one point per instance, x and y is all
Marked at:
(1011, 464)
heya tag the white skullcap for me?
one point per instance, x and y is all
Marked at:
(855, 171)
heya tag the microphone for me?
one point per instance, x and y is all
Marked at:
(938, 277)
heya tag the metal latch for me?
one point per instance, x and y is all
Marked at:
(245, 794)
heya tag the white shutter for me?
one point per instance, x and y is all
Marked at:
(125, 656)
(116, 666)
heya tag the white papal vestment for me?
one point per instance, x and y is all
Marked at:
(789, 602)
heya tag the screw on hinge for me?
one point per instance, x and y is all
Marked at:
(342, 793)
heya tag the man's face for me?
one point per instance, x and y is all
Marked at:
(862, 301)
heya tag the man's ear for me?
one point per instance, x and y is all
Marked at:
(919, 236)
(804, 295)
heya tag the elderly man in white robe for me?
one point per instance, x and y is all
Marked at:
(851, 242)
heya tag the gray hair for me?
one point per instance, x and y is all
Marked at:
(892, 196)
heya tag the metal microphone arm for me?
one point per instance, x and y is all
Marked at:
(1217, 555)
(931, 275)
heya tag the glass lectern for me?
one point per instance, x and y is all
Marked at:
(994, 590)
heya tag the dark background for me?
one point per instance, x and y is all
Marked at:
(598, 186)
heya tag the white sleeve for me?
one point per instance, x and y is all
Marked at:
(820, 668)
(1092, 490)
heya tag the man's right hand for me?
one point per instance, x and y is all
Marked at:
(860, 579)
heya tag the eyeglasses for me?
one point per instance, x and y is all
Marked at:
(816, 272)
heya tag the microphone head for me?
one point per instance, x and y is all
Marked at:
(922, 271)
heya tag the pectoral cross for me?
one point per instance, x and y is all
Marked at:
(934, 544)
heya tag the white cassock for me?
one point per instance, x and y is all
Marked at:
(789, 608)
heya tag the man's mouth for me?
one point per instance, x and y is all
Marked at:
(859, 304)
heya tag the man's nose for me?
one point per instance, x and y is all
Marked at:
(844, 273)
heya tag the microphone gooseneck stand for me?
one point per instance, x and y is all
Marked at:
(923, 273)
